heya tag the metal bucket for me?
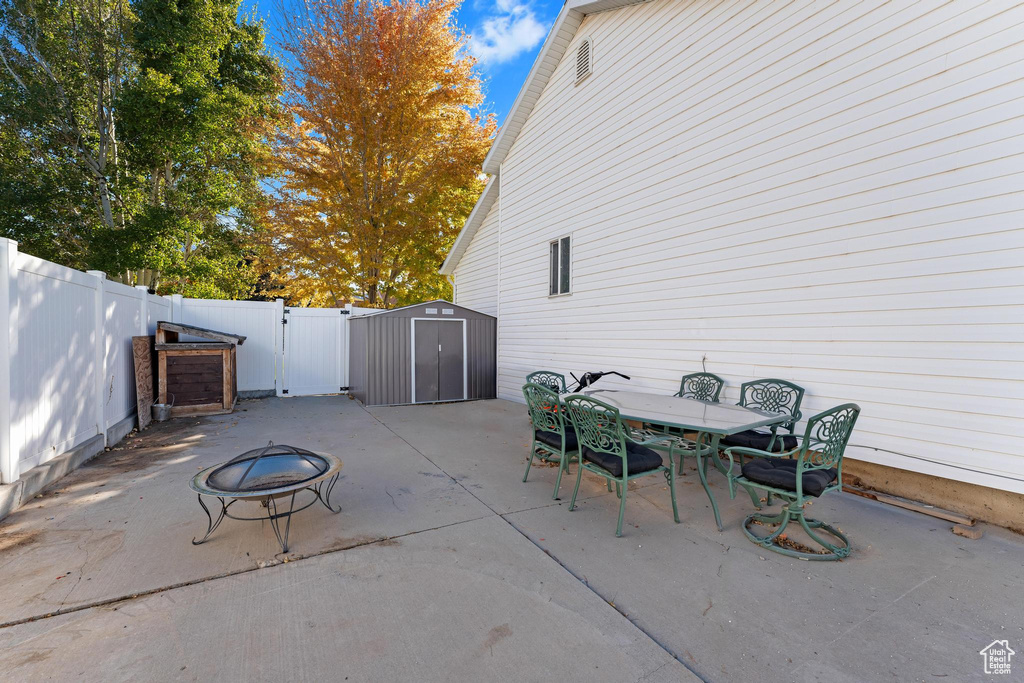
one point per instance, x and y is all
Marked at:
(162, 411)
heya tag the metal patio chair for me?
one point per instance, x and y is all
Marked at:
(546, 378)
(702, 386)
(553, 438)
(607, 451)
(797, 477)
(773, 396)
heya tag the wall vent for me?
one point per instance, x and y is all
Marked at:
(584, 59)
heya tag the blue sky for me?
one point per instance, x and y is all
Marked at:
(505, 36)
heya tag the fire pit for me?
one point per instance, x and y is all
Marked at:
(263, 476)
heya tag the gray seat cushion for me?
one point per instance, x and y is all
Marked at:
(639, 459)
(780, 473)
(759, 440)
(554, 439)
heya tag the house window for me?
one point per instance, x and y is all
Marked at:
(559, 276)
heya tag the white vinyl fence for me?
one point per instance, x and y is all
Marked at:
(258, 321)
(66, 369)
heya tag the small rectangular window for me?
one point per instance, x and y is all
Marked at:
(553, 276)
(559, 278)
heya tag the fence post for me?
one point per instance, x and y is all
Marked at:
(279, 347)
(346, 320)
(8, 347)
(100, 388)
(143, 291)
(175, 308)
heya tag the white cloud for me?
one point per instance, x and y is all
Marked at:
(504, 36)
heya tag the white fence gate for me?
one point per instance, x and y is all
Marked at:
(315, 351)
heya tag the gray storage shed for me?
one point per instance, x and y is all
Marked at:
(426, 353)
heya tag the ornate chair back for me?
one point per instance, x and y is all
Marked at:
(552, 380)
(774, 396)
(825, 441)
(703, 386)
(545, 409)
(598, 426)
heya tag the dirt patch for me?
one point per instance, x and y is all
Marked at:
(12, 540)
(119, 461)
(497, 634)
(142, 451)
(786, 541)
(33, 657)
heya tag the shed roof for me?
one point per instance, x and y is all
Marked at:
(385, 311)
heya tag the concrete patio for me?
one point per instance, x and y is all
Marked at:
(442, 565)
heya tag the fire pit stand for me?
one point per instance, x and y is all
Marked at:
(266, 476)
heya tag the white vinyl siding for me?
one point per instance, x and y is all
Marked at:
(476, 276)
(829, 193)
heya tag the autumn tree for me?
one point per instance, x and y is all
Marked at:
(381, 167)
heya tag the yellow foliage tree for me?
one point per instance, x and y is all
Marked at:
(381, 166)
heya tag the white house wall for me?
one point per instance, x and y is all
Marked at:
(476, 277)
(828, 193)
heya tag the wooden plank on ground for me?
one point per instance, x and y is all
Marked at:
(931, 510)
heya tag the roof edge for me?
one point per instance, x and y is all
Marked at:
(472, 224)
(555, 45)
(422, 303)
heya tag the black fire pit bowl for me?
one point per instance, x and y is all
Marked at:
(264, 475)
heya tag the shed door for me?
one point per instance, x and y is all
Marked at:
(439, 360)
(451, 361)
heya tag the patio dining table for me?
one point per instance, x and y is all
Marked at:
(711, 422)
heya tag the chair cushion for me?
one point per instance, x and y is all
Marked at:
(639, 459)
(554, 439)
(781, 474)
(759, 440)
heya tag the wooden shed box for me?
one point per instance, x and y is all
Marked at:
(198, 377)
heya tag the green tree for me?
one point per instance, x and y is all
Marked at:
(137, 136)
(63, 67)
(198, 121)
